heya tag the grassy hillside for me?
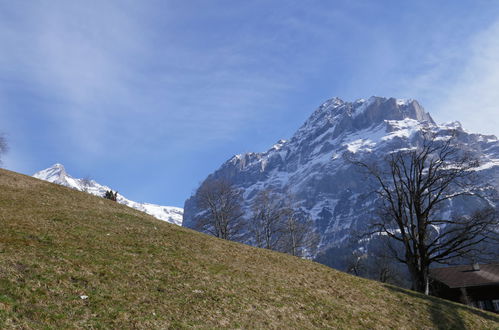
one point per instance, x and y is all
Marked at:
(57, 245)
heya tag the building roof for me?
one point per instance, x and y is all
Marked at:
(464, 276)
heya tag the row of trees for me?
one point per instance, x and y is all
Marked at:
(272, 222)
(276, 225)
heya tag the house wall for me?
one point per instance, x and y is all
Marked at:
(483, 297)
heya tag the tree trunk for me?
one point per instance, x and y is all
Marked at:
(419, 279)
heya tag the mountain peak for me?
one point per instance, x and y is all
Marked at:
(377, 109)
(335, 102)
(54, 173)
(340, 116)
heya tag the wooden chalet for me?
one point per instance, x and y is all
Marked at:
(475, 285)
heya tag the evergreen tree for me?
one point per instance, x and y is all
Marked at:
(109, 194)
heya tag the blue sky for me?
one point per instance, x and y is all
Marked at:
(149, 97)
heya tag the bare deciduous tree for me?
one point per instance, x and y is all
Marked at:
(372, 259)
(267, 222)
(277, 225)
(413, 185)
(356, 263)
(300, 238)
(220, 203)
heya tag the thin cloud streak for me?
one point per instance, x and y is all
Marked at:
(473, 97)
(86, 57)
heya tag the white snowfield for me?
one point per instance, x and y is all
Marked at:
(57, 174)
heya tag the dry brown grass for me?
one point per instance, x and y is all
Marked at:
(138, 272)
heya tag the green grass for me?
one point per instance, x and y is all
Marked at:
(57, 244)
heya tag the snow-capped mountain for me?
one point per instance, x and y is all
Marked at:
(312, 165)
(57, 174)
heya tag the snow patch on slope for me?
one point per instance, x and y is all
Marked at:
(487, 165)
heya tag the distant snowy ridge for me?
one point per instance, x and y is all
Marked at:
(57, 174)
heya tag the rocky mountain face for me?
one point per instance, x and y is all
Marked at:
(313, 165)
(57, 174)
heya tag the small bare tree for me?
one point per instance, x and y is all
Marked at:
(267, 222)
(220, 204)
(413, 185)
(372, 259)
(356, 263)
(300, 238)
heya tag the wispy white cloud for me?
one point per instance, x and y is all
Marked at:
(473, 97)
(105, 67)
(74, 56)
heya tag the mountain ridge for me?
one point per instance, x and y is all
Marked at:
(57, 174)
(312, 167)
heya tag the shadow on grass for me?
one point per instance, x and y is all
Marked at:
(443, 312)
